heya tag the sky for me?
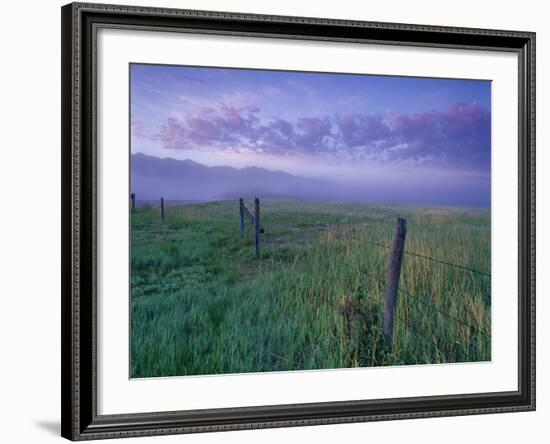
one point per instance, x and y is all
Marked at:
(403, 135)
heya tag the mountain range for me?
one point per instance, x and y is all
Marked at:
(186, 180)
(173, 179)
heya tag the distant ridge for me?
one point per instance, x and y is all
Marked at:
(188, 180)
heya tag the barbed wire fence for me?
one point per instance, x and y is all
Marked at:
(390, 305)
(421, 299)
(390, 283)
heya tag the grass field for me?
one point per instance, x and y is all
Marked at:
(201, 303)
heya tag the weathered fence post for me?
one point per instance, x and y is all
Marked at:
(133, 197)
(162, 209)
(241, 212)
(257, 226)
(393, 271)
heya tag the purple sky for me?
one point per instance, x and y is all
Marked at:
(396, 133)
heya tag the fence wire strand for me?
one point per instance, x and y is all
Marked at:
(444, 313)
(473, 270)
(412, 253)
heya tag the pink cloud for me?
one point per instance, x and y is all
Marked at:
(459, 135)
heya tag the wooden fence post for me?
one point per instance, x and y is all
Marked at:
(241, 212)
(162, 209)
(257, 226)
(133, 197)
(393, 271)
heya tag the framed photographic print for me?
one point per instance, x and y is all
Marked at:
(279, 221)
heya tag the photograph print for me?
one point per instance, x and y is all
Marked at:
(292, 221)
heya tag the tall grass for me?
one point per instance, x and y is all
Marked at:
(202, 304)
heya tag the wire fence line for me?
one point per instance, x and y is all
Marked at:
(444, 313)
(417, 298)
(462, 267)
(412, 253)
(347, 234)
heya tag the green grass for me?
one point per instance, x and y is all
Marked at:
(203, 304)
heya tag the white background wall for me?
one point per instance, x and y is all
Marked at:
(30, 220)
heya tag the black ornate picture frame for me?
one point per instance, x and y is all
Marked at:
(80, 419)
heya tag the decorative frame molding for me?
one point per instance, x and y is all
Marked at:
(80, 22)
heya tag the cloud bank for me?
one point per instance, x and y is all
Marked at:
(458, 137)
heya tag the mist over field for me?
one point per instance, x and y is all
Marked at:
(186, 180)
